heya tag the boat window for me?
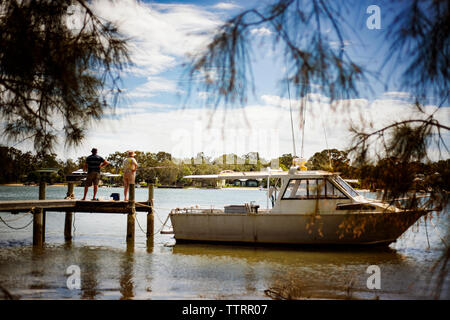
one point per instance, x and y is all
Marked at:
(333, 192)
(312, 189)
(346, 187)
(297, 189)
(321, 188)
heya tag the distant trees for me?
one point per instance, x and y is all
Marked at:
(286, 161)
(331, 160)
(116, 160)
(12, 167)
(162, 156)
(20, 167)
(168, 174)
(417, 176)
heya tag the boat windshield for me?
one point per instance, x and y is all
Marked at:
(346, 187)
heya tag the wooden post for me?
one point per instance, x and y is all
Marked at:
(131, 216)
(69, 215)
(150, 216)
(39, 219)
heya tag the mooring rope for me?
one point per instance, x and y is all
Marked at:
(157, 215)
(144, 232)
(18, 228)
(17, 219)
(15, 228)
(73, 225)
(140, 225)
(151, 207)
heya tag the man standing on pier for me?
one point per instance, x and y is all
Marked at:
(93, 164)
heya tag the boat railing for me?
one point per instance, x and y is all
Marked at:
(244, 210)
(195, 211)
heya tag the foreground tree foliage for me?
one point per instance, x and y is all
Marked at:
(419, 42)
(60, 68)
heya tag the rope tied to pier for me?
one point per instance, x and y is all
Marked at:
(16, 228)
(148, 234)
(6, 223)
(156, 214)
(20, 217)
(144, 205)
(144, 232)
(150, 207)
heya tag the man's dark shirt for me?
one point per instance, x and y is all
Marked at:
(94, 161)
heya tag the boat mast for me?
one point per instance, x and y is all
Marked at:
(303, 116)
(268, 188)
(292, 122)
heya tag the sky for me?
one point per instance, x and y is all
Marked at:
(152, 116)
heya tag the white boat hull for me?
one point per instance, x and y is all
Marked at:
(362, 228)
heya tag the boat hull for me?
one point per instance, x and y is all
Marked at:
(326, 229)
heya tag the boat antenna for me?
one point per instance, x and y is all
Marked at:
(328, 148)
(326, 142)
(303, 114)
(292, 121)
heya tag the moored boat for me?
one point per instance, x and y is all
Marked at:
(310, 207)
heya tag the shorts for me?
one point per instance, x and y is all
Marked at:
(129, 178)
(92, 177)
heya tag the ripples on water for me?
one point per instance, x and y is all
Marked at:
(163, 270)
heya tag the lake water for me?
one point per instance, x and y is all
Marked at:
(165, 270)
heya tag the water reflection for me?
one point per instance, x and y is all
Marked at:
(308, 272)
(89, 273)
(294, 255)
(37, 271)
(126, 275)
(150, 244)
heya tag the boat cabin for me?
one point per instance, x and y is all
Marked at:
(308, 191)
(300, 192)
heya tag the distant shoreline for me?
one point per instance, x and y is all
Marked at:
(161, 187)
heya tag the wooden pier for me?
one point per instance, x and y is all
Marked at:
(69, 206)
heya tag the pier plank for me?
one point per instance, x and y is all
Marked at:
(16, 205)
(65, 205)
(69, 206)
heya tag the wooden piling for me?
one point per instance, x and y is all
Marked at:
(69, 214)
(131, 216)
(150, 216)
(39, 219)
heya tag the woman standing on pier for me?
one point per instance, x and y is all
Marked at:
(130, 166)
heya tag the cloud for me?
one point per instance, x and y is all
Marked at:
(160, 34)
(263, 31)
(264, 127)
(226, 6)
(278, 101)
(397, 95)
(152, 86)
(137, 108)
(339, 45)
